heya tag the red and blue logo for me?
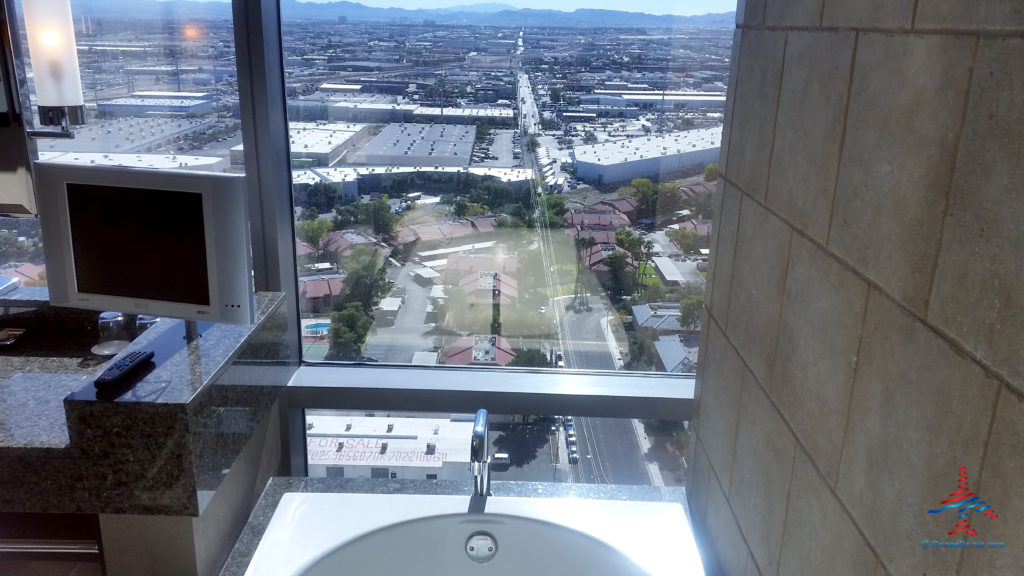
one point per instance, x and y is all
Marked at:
(964, 500)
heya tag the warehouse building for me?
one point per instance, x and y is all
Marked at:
(387, 446)
(156, 104)
(648, 156)
(155, 161)
(419, 145)
(655, 99)
(317, 144)
(345, 180)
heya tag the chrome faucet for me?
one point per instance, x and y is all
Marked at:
(479, 459)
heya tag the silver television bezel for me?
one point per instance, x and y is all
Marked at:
(225, 222)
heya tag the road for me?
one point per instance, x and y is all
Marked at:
(610, 452)
(398, 343)
(664, 246)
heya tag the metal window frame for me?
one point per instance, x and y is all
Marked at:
(260, 55)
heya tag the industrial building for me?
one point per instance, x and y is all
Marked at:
(128, 134)
(387, 447)
(370, 112)
(363, 111)
(654, 99)
(156, 161)
(346, 179)
(492, 116)
(317, 144)
(156, 103)
(419, 145)
(647, 156)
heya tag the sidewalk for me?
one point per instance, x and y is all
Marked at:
(652, 467)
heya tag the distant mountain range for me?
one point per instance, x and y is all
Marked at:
(483, 14)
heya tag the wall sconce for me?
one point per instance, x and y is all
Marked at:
(54, 55)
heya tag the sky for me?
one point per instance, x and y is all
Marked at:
(680, 7)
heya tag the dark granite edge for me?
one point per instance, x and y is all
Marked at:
(245, 547)
(266, 304)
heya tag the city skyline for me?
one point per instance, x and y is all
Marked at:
(674, 7)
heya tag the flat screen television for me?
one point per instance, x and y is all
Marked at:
(170, 243)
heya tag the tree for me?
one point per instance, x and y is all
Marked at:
(711, 172)
(703, 205)
(532, 358)
(321, 197)
(365, 280)
(312, 232)
(684, 238)
(349, 328)
(691, 305)
(589, 137)
(382, 218)
(628, 241)
(619, 275)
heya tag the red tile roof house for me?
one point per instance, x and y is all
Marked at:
(427, 236)
(701, 227)
(28, 271)
(463, 262)
(691, 190)
(303, 249)
(489, 288)
(480, 349)
(600, 235)
(593, 257)
(603, 218)
(626, 206)
(317, 294)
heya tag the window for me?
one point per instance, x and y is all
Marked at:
(463, 199)
(160, 88)
(160, 92)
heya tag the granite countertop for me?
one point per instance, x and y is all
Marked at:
(52, 361)
(238, 561)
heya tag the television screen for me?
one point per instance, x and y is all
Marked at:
(138, 243)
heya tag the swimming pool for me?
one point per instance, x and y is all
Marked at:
(318, 327)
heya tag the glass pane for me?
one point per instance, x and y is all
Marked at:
(503, 195)
(159, 85)
(432, 446)
(21, 254)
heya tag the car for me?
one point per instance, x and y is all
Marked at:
(559, 360)
(574, 455)
(500, 461)
(542, 309)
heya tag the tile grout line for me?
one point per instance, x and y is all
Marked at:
(984, 459)
(913, 15)
(958, 147)
(977, 32)
(732, 261)
(853, 385)
(799, 445)
(775, 121)
(785, 518)
(946, 337)
(842, 137)
(728, 504)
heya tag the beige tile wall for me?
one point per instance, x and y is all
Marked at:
(865, 328)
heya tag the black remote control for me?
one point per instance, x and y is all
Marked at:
(114, 373)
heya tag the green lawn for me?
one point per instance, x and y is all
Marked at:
(649, 275)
